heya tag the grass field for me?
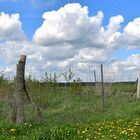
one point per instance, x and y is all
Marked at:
(68, 113)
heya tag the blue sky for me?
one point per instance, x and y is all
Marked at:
(115, 31)
(31, 12)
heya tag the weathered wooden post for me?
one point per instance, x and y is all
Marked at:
(102, 82)
(95, 81)
(20, 90)
(138, 86)
(95, 76)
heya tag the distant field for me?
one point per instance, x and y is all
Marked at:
(74, 112)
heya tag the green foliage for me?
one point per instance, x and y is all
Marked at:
(3, 80)
(125, 87)
(76, 87)
(68, 75)
(120, 129)
(6, 86)
(50, 81)
(70, 117)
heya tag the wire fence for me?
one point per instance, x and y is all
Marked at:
(60, 95)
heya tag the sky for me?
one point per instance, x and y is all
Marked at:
(79, 34)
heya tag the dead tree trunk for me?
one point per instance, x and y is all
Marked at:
(20, 90)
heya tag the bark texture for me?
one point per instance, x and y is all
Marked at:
(20, 90)
(138, 87)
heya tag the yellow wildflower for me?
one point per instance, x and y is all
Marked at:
(83, 132)
(13, 130)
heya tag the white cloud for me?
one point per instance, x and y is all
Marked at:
(133, 61)
(132, 27)
(93, 55)
(70, 24)
(131, 34)
(69, 37)
(10, 27)
(126, 69)
(71, 34)
(11, 50)
(114, 23)
(111, 34)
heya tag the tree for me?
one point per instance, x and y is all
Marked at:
(68, 75)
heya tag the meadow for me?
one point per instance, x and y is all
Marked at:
(72, 112)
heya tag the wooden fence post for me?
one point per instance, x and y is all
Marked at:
(138, 86)
(102, 82)
(95, 76)
(95, 81)
(20, 90)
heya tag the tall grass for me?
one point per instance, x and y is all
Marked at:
(68, 110)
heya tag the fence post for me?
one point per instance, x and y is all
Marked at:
(95, 76)
(20, 90)
(138, 86)
(102, 82)
(95, 81)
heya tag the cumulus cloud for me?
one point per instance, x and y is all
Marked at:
(93, 55)
(131, 35)
(71, 33)
(126, 69)
(10, 27)
(70, 24)
(69, 37)
(11, 50)
(131, 63)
